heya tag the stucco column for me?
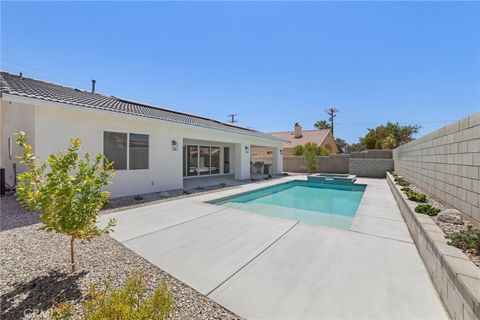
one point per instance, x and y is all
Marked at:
(242, 161)
(277, 161)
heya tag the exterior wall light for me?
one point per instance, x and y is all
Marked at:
(246, 149)
(174, 145)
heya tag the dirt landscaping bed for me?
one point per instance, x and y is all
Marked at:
(35, 271)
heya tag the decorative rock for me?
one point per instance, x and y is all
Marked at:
(451, 216)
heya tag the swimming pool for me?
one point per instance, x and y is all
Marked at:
(326, 204)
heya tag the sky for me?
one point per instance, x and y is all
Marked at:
(271, 63)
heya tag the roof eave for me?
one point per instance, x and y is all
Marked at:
(261, 135)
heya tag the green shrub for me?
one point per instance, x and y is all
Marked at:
(138, 197)
(416, 196)
(63, 311)
(466, 239)
(107, 204)
(427, 209)
(298, 150)
(406, 189)
(402, 182)
(310, 147)
(130, 302)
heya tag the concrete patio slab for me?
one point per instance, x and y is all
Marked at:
(379, 202)
(265, 267)
(380, 212)
(315, 272)
(388, 228)
(205, 252)
(140, 221)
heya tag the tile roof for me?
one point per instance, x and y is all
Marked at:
(31, 88)
(317, 136)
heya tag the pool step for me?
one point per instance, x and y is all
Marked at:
(332, 178)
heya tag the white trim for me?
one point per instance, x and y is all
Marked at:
(209, 175)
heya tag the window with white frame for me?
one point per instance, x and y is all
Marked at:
(138, 151)
(115, 149)
(135, 153)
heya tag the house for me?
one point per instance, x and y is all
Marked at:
(322, 137)
(153, 149)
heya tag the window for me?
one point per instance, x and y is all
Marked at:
(226, 160)
(115, 149)
(215, 160)
(138, 153)
(204, 166)
(192, 158)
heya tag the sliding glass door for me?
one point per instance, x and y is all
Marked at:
(214, 160)
(192, 160)
(204, 166)
(201, 160)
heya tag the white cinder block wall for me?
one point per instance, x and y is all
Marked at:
(446, 163)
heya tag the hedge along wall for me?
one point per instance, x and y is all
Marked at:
(370, 163)
(446, 163)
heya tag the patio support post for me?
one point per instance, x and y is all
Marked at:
(242, 161)
(277, 161)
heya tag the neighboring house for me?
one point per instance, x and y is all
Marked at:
(153, 149)
(322, 137)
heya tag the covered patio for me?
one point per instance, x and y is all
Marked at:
(207, 163)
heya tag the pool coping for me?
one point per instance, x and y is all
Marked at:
(454, 275)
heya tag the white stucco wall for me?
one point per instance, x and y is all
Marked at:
(51, 125)
(14, 117)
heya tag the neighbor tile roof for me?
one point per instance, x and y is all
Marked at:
(27, 87)
(317, 136)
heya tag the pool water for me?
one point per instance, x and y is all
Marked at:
(326, 204)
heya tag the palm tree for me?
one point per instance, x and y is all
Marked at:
(322, 124)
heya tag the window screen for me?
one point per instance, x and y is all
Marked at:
(115, 149)
(138, 158)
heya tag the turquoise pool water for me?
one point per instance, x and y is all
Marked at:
(326, 204)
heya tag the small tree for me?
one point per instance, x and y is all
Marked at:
(341, 144)
(389, 136)
(311, 159)
(69, 195)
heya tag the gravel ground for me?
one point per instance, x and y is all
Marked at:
(35, 272)
(155, 197)
(449, 228)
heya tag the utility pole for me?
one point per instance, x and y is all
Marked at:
(331, 112)
(232, 116)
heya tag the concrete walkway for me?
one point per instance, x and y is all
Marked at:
(265, 267)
